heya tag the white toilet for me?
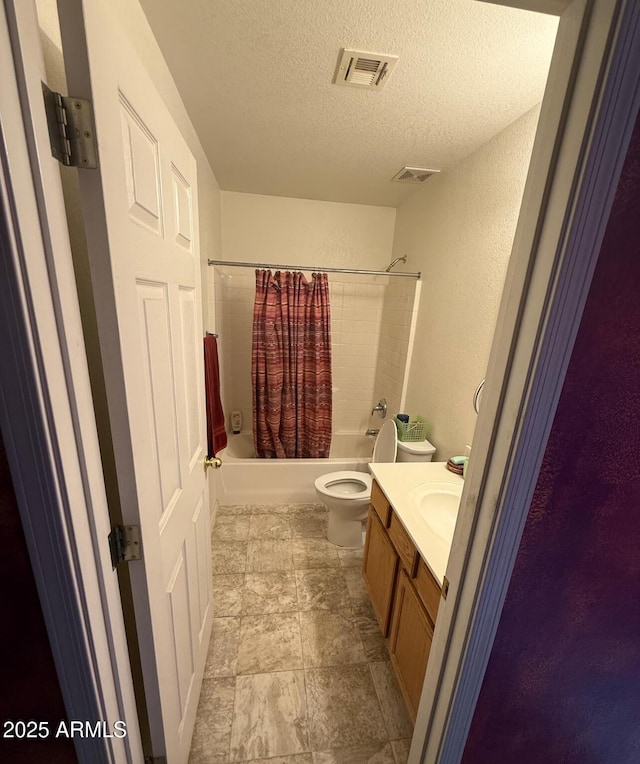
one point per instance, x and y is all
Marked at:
(346, 494)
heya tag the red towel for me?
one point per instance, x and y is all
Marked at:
(216, 432)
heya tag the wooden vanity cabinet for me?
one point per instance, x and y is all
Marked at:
(379, 569)
(410, 642)
(380, 504)
(404, 593)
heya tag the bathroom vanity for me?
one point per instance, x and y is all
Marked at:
(404, 562)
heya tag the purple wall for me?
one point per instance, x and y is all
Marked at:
(563, 681)
(29, 687)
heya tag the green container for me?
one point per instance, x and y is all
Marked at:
(413, 430)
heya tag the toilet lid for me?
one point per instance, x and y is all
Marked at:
(386, 446)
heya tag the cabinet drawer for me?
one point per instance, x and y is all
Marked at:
(403, 544)
(380, 504)
(428, 589)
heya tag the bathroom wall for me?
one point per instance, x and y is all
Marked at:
(458, 230)
(278, 229)
(563, 678)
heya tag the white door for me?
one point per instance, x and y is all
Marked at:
(140, 211)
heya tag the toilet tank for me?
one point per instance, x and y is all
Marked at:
(415, 451)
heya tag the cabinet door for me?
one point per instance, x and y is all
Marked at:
(379, 569)
(411, 635)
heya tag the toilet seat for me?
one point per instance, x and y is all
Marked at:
(337, 484)
(347, 494)
(386, 445)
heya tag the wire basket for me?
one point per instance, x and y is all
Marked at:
(413, 430)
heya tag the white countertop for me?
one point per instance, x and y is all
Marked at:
(397, 480)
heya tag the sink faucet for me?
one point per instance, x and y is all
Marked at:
(381, 408)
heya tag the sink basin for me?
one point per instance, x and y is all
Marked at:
(437, 505)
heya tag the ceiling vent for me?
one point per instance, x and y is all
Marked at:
(360, 69)
(413, 175)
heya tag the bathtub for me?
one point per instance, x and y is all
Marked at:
(245, 479)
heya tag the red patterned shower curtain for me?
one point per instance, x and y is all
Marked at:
(291, 366)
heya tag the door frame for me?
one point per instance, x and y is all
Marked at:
(46, 394)
(586, 121)
(47, 417)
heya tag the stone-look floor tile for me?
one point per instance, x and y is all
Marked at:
(204, 757)
(272, 554)
(351, 557)
(355, 584)
(314, 553)
(212, 733)
(228, 590)
(301, 758)
(392, 703)
(372, 640)
(343, 707)
(223, 648)
(230, 528)
(270, 716)
(269, 643)
(234, 509)
(375, 752)
(270, 509)
(309, 522)
(401, 750)
(273, 592)
(330, 638)
(322, 589)
(269, 527)
(298, 509)
(228, 556)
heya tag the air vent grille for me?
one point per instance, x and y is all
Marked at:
(360, 69)
(413, 175)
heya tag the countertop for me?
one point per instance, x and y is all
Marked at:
(397, 480)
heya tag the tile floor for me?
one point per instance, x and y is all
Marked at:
(297, 671)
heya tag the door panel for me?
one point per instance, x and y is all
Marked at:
(160, 392)
(189, 369)
(142, 167)
(142, 233)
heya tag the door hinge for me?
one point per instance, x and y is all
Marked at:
(124, 542)
(72, 133)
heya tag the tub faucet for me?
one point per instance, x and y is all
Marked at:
(372, 431)
(381, 408)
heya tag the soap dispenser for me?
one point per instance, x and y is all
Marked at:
(236, 422)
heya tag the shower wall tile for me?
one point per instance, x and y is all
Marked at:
(235, 289)
(357, 304)
(398, 319)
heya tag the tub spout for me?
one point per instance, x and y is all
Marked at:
(371, 431)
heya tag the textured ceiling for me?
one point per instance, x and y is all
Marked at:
(255, 76)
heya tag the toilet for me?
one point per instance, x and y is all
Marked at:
(347, 494)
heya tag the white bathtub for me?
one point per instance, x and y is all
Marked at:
(244, 479)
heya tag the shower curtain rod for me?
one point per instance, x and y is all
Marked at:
(315, 268)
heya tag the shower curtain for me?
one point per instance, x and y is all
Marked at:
(291, 366)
